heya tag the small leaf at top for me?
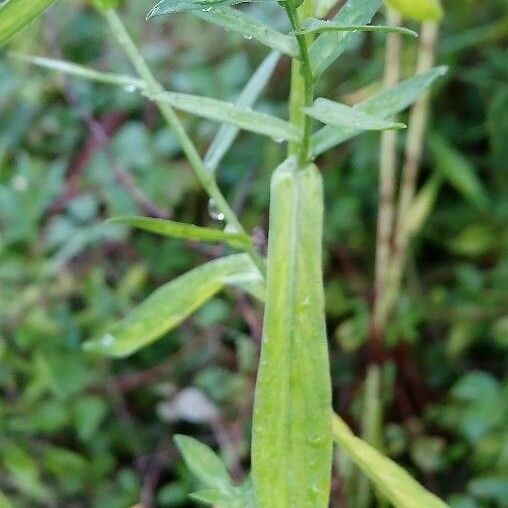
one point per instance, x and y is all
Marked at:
(185, 231)
(340, 115)
(418, 10)
(204, 463)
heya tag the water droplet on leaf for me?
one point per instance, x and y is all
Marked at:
(214, 212)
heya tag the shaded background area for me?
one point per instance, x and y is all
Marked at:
(79, 431)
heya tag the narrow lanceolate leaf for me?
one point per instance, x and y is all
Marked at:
(169, 305)
(418, 10)
(17, 14)
(237, 21)
(329, 46)
(459, 172)
(318, 26)
(226, 135)
(185, 231)
(423, 204)
(395, 484)
(81, 71)
(292, 441)
(385, 104)
(171, 6)
(227, 112)
(340, 115)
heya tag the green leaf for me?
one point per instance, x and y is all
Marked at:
(171, 6)
(418, 10)
(104, 5)
(4, 502)
(385, 104)
(395, 484)
(17, 14)
(329, 46)
(211, 496)
(292, 441)
(237, 21)
(185, 231)
(226, 135)
(340, 115)
(204, 463)
(459, 172)
(318, 26)
(169, 305)
(227, 112)
(423, 205)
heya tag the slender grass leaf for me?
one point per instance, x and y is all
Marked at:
(459, 172)
(227, 112)
(340, 115)
(237, 21)
(185, 231)
(172, 6)
(212, 496)
(393, 482)
(292, 441)
(169, 305)
(204, 463)
(418, 10)
(423, 204)
(329, 46)
(17, 14)
(82, 71)
(226, 135)
(385, 104)
(318, 26)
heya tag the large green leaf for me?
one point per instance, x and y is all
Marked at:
(17, 14)
(226, 135)
(237, 21)
(395, 484)
(185, 231)
(169, 305)
(227, 112)
(385, 104)
(329, 46)
(418, 10)
(340, 115)
(292, 441)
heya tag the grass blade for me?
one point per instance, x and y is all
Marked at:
(383, 105)
(169, 305)
(227, 112)
(185, 231)
(329, 46)
(292, 442)
(17, 14)
(318, 26)
(226, 135)
(237, 21)
(340, 115)
(393, 482)
(172, 6)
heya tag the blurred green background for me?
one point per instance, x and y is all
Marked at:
(81, 431)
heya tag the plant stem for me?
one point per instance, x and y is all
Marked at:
(412, 159)
(387, 171)
(205, 177)
(302, 82)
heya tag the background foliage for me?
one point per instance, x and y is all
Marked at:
(78, 430)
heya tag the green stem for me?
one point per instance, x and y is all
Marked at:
(302, 82)
(205, 177)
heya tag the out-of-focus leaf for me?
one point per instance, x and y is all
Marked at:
(171, 6)
(182, 230)
(17, 14)
(204, 463)
(212, 496)
(383, 105)
(4, 502)
(340, 115)
(227, 112)
(422, 205)
(393, 482)
(418, 10)
(459, 172)
(329, 46)
(317, 26)
(169, 305)
(226, 135)
(237, 21)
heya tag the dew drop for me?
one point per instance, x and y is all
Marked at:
(130, 88)
(207, 9)
(278, 140)
(247, 37)
(108, 340)
(19, 183)
(214, 212)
